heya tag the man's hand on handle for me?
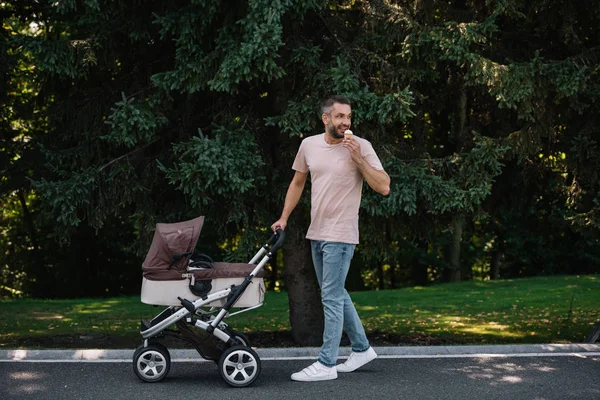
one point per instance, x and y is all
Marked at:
(281, 223)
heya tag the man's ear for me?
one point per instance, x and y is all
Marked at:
(324, 118)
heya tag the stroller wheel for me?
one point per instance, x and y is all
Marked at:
(152, 363)
(243, 339)
(239, 366)
(240, 337)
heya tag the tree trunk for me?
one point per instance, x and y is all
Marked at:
(354, 280)
(419, 270)
(496, 256)
(419, 274)
(274, 275)
(458, 223)
(495, 266)
(306, 310)
(424, 11)
(28, 220)
(462, 115)
(304, 296)
(381, 276)
(393, 279)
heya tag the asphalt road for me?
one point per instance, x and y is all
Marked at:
(517, 376)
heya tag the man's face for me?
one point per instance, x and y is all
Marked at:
(338, 120)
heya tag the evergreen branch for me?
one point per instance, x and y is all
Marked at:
(127, 154)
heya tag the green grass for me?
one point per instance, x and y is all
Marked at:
(559, 309)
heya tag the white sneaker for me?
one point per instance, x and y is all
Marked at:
(357, 360)
(315, 372)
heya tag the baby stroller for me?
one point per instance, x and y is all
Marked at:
(199, 293)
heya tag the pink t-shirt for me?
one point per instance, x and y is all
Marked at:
(336, 187)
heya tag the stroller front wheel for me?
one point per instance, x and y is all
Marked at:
(239, 366)
(151, 363)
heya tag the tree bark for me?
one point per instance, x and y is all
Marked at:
(424, 11)
(496, 256)
(306, 310)
(304, 296)
(458, 223)
(495, 266)
(418, 270)
(393, 279)
(28, 220)
(381, 276)
(274, 275)
(462, 114)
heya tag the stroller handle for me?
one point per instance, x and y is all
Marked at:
(277, 238)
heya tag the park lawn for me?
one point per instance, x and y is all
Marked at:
(559, 309)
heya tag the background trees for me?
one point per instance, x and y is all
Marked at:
(118, 115)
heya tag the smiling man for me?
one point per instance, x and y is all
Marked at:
(338, 164)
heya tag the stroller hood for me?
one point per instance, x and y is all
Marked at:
(167, 258)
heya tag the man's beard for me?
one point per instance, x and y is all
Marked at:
(332, 131)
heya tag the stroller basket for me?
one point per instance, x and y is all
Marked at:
(199, 293)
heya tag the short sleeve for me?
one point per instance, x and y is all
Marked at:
(369, 154)
(300, 163)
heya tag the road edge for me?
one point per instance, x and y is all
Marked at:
(91, 355)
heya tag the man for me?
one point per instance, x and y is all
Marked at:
(337, 165)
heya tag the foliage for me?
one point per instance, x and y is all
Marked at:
(118, 115)
(132, 124)
(228, 166)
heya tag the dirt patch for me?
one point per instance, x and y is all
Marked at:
(257, 339)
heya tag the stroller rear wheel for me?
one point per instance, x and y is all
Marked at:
(151, 363)
(239, 366)
(242, 338)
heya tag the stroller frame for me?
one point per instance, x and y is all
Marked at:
(239, 364)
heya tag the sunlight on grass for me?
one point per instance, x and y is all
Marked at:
(93, 311)
(491, 329)
(545, 309)
(49, 317)
(366, 308)
(102, 307)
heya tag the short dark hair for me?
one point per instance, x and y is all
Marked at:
(328, 103)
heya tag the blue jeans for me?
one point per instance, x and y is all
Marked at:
(332, 262)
